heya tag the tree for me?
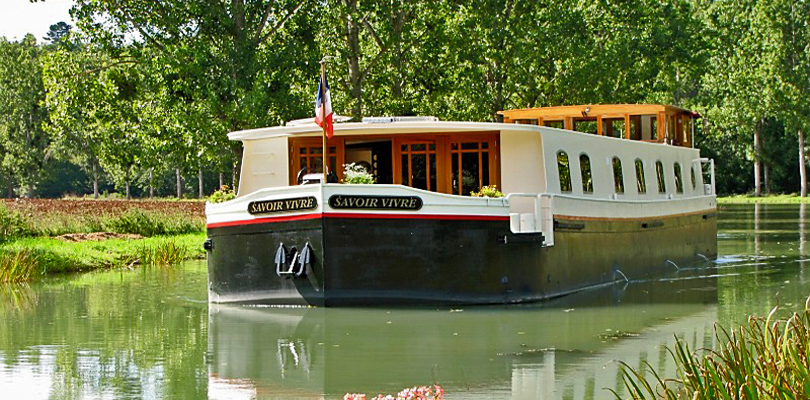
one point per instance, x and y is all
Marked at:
(22, 138)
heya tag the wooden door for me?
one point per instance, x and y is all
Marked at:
(418, 163)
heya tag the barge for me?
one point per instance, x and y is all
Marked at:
(592, 194)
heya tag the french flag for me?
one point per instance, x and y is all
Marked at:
(323, 108)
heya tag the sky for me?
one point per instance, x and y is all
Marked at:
(19, 17)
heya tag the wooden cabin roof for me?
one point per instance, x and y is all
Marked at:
(591, 111)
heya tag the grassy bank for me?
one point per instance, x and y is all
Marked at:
(767, 199)
(31, 233)
(31, 258)
(765, 359)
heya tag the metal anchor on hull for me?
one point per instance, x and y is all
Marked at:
(292, 263)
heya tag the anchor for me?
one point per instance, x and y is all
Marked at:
(292, 263)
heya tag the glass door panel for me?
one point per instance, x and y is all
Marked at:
(418, 164)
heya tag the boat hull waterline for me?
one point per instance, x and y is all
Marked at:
(387, 259)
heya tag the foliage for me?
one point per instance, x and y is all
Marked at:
(16, 265)
(46, 256)
(139, 89)
(357, 174)
(222, 195)
(165, 253)
(23, 141)
(767, 358)
(57, 217)
(12, 224)
(415, 393)
(488, 191)
(152, 224)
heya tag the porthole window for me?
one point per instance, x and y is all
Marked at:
(641, 184)
(564, 171)
(692, 173)
(585, 169)
(618, 176)
(659, 171)
(678, 178)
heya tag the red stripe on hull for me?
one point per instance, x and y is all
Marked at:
(444, 217)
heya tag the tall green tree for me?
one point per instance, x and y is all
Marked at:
(23, 141)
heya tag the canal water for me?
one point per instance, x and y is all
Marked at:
(150, 333)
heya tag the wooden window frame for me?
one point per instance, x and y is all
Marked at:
(295, 144)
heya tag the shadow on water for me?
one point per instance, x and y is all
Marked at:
(150, 333)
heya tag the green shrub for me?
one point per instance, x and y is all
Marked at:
(222, 195)
(353, 173)
(154, 223)
(12, 224)
(488, 191)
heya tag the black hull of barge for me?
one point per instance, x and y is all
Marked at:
(372, 261)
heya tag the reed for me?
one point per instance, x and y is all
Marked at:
(764, 359)
(165, 253)
(17, 265)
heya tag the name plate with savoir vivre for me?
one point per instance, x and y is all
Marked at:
(281, 205)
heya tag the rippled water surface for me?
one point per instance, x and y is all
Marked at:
(150, 333)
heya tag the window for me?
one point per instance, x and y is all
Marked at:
(659, 171)
(678, 178)
(641, 184)
(564, 171)
(618, 177)
(586, 125)
(613, 127)
(419, 164)
(585, 170)
(470, 162)
(694, 184)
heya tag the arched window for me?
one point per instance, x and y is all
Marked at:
(641, 184)
(585, 170)
(694, 183)
(618, 176)
(659, 171)
(564, 171)
(678, 178)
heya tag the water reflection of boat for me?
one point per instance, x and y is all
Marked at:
(617, 192)
(557, 350)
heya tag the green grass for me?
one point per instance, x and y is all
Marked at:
(765, 359)
(767, 199)
(52, 256)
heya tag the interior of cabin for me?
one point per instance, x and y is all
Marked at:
(443, 163)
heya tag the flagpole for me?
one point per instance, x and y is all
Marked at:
(325, 150)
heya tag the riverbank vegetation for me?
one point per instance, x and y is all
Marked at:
(765, 359)
(767, 199)
(136, 99)
(41, 237)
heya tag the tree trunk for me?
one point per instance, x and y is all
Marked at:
(220, 181)
(95, 179)
(127, 183)
(200, 182)
(353, 44)
(151, 183)
(179, 183)
(802, 166)
(766, 179)
(757, 151)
